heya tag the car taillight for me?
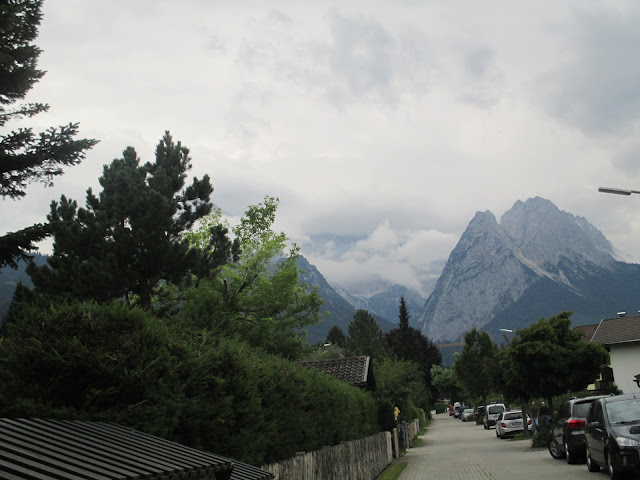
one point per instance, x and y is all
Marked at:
(503, 425)
(575, 424)
(529, 422)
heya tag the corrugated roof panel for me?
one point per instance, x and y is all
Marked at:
(76, 450)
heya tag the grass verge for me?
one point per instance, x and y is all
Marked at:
(393, 471)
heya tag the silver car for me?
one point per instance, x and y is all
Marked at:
(467, 414)
(510, 423)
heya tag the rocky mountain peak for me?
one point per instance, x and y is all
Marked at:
(495, 264)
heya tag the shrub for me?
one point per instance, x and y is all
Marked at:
(120, 364)
(542, 437)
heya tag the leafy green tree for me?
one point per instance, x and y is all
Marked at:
(548, 358)
(402, 384)
(129, 238)
(474, 365)
(409, 344)
(446, 382)
(24, 156)
(555, 358)
(336, 337)
(365, 336)
(258, 296)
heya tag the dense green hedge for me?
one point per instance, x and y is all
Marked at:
(114, 363)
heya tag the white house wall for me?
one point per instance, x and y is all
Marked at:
(625, 363)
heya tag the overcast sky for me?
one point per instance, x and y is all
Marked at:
(381, 126)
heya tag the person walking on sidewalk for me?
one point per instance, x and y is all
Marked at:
(545, 414)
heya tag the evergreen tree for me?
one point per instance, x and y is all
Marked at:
(336, 337)
(24, 156)
(365, 336)
(409, 344)
(129, 238)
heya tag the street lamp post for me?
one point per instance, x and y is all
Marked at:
(506, 339)
(617, 191)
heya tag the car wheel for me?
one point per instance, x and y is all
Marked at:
(612, 468)
(485, 426)
(569, 455)
(554, 449)
(591, 465)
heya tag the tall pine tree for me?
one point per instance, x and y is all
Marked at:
(24, 156)
(409, 344)
(130, 237)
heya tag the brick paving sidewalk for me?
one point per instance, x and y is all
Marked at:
(452, 449)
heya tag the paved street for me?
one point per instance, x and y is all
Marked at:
(452, 449)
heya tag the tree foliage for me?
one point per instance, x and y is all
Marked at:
(112, 362)
(365, 336)
(129, 237)
(409, 344)
(549, 358)
(474, 366)
(446, 382)
(258, 295)
(336, 337)
(24, 155)
(402, 384)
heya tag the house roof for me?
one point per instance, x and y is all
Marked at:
(356, 371)
(617, 330)
(587, 331)
(69, 449)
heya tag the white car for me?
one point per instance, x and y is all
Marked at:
(509, 423)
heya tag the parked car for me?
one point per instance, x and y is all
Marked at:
(456, 410)
(510, 422)
(612, 434)
(492, 413)
(480, 411)
(568, 429)
(462, 409)
(467, 414)
(451, 412)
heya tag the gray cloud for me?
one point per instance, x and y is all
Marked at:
(595, 83)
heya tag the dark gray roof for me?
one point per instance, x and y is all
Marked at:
(587, 331)
(618, 330)
(356, 371)
(68, 449)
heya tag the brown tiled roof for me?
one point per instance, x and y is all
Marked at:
(65, 449)
(356, 371)
(617, 330)
(587, 331)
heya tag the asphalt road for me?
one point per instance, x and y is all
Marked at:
(452, 449)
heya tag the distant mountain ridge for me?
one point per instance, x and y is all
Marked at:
(386, 302)
(340, 311)
(536, 262)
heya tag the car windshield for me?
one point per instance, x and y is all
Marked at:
(626, 411)
(512, 415)
(496, 409)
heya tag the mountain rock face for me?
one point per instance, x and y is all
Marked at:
(536, 262)
(338, 311)
(386, 303)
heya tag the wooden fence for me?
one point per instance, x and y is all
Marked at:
(362, 459)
